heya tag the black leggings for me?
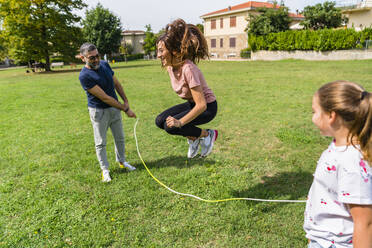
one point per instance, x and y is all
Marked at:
(180, 111)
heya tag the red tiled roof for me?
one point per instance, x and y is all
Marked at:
(252, 5)
(293, 15)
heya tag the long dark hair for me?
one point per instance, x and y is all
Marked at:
(354, 105)
(186, 40)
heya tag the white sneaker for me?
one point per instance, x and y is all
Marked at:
(193, 148)
(207, 142)
(106, 176)
(127, 166)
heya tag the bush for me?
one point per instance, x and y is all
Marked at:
(320, 40)
(64, 60)
(245, 53)
(129, 57)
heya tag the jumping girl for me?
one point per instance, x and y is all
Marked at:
(339, 206)
(179, 49)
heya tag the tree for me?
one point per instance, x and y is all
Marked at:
(3, 47)
(269, 21)
(102, 28)
(150, 40)
(126, 49)
(36, 29)
(200, 27)
(324, 15)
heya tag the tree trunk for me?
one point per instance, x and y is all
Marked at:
(47, 60)
(44, 40)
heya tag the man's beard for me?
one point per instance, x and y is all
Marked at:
(94, 66)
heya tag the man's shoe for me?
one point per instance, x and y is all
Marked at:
(193, 148)
(207, 142)
(106, 176)
(127, 166)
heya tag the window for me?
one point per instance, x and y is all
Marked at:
(213, 24)
(232, 42)
(213, 43)
(221, 42)
(232, 21)
(221, 23)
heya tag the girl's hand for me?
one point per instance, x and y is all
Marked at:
(173, 122)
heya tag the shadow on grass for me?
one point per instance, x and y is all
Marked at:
(180, 162)
(284, 185)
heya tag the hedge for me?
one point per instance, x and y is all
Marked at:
(120, 58)
(245, 53)
(310, 40)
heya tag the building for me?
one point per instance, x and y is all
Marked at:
(135, 38)
(225, 32)
(359, 14)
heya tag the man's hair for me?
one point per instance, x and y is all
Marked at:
(86, 48)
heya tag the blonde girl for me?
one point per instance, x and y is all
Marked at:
(339, 206)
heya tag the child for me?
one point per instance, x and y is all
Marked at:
(179, 48)
(339, 207)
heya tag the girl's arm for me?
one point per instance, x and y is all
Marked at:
(362, 217)
(200, 107)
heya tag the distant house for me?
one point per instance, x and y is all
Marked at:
(134, 38)
(359, 14)
(225, 29)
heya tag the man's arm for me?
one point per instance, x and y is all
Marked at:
(362, 218)
(120, 90)
(99, 93)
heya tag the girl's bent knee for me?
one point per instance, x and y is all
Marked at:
(159, 122)
(170, 130)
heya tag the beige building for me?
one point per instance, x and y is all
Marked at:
(135, 38)
(225, 29)
(359, 14)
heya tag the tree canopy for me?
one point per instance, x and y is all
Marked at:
(37, 29)
(150, 40)
(324, 15)
(3, 48)
(200, 27)
(269, 21)
(103, 29)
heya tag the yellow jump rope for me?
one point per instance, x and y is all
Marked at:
(196, 197)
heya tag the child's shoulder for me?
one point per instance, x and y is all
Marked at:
(351, 158)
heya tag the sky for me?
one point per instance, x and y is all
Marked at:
(136, 14)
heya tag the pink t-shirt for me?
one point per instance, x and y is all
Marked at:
(189, 77)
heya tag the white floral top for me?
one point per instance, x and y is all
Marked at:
(342, 177)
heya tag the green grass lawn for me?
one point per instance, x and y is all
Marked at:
(50, 189)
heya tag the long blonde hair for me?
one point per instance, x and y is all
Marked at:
(354, 105)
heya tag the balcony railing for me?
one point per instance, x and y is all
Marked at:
(352, 4)
(348, 4)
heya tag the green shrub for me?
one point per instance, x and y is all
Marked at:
(129, 57)
(245, 53)
(319, 40)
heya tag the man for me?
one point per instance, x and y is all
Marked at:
(99, 82)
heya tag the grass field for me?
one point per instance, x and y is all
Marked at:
(50, 189)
